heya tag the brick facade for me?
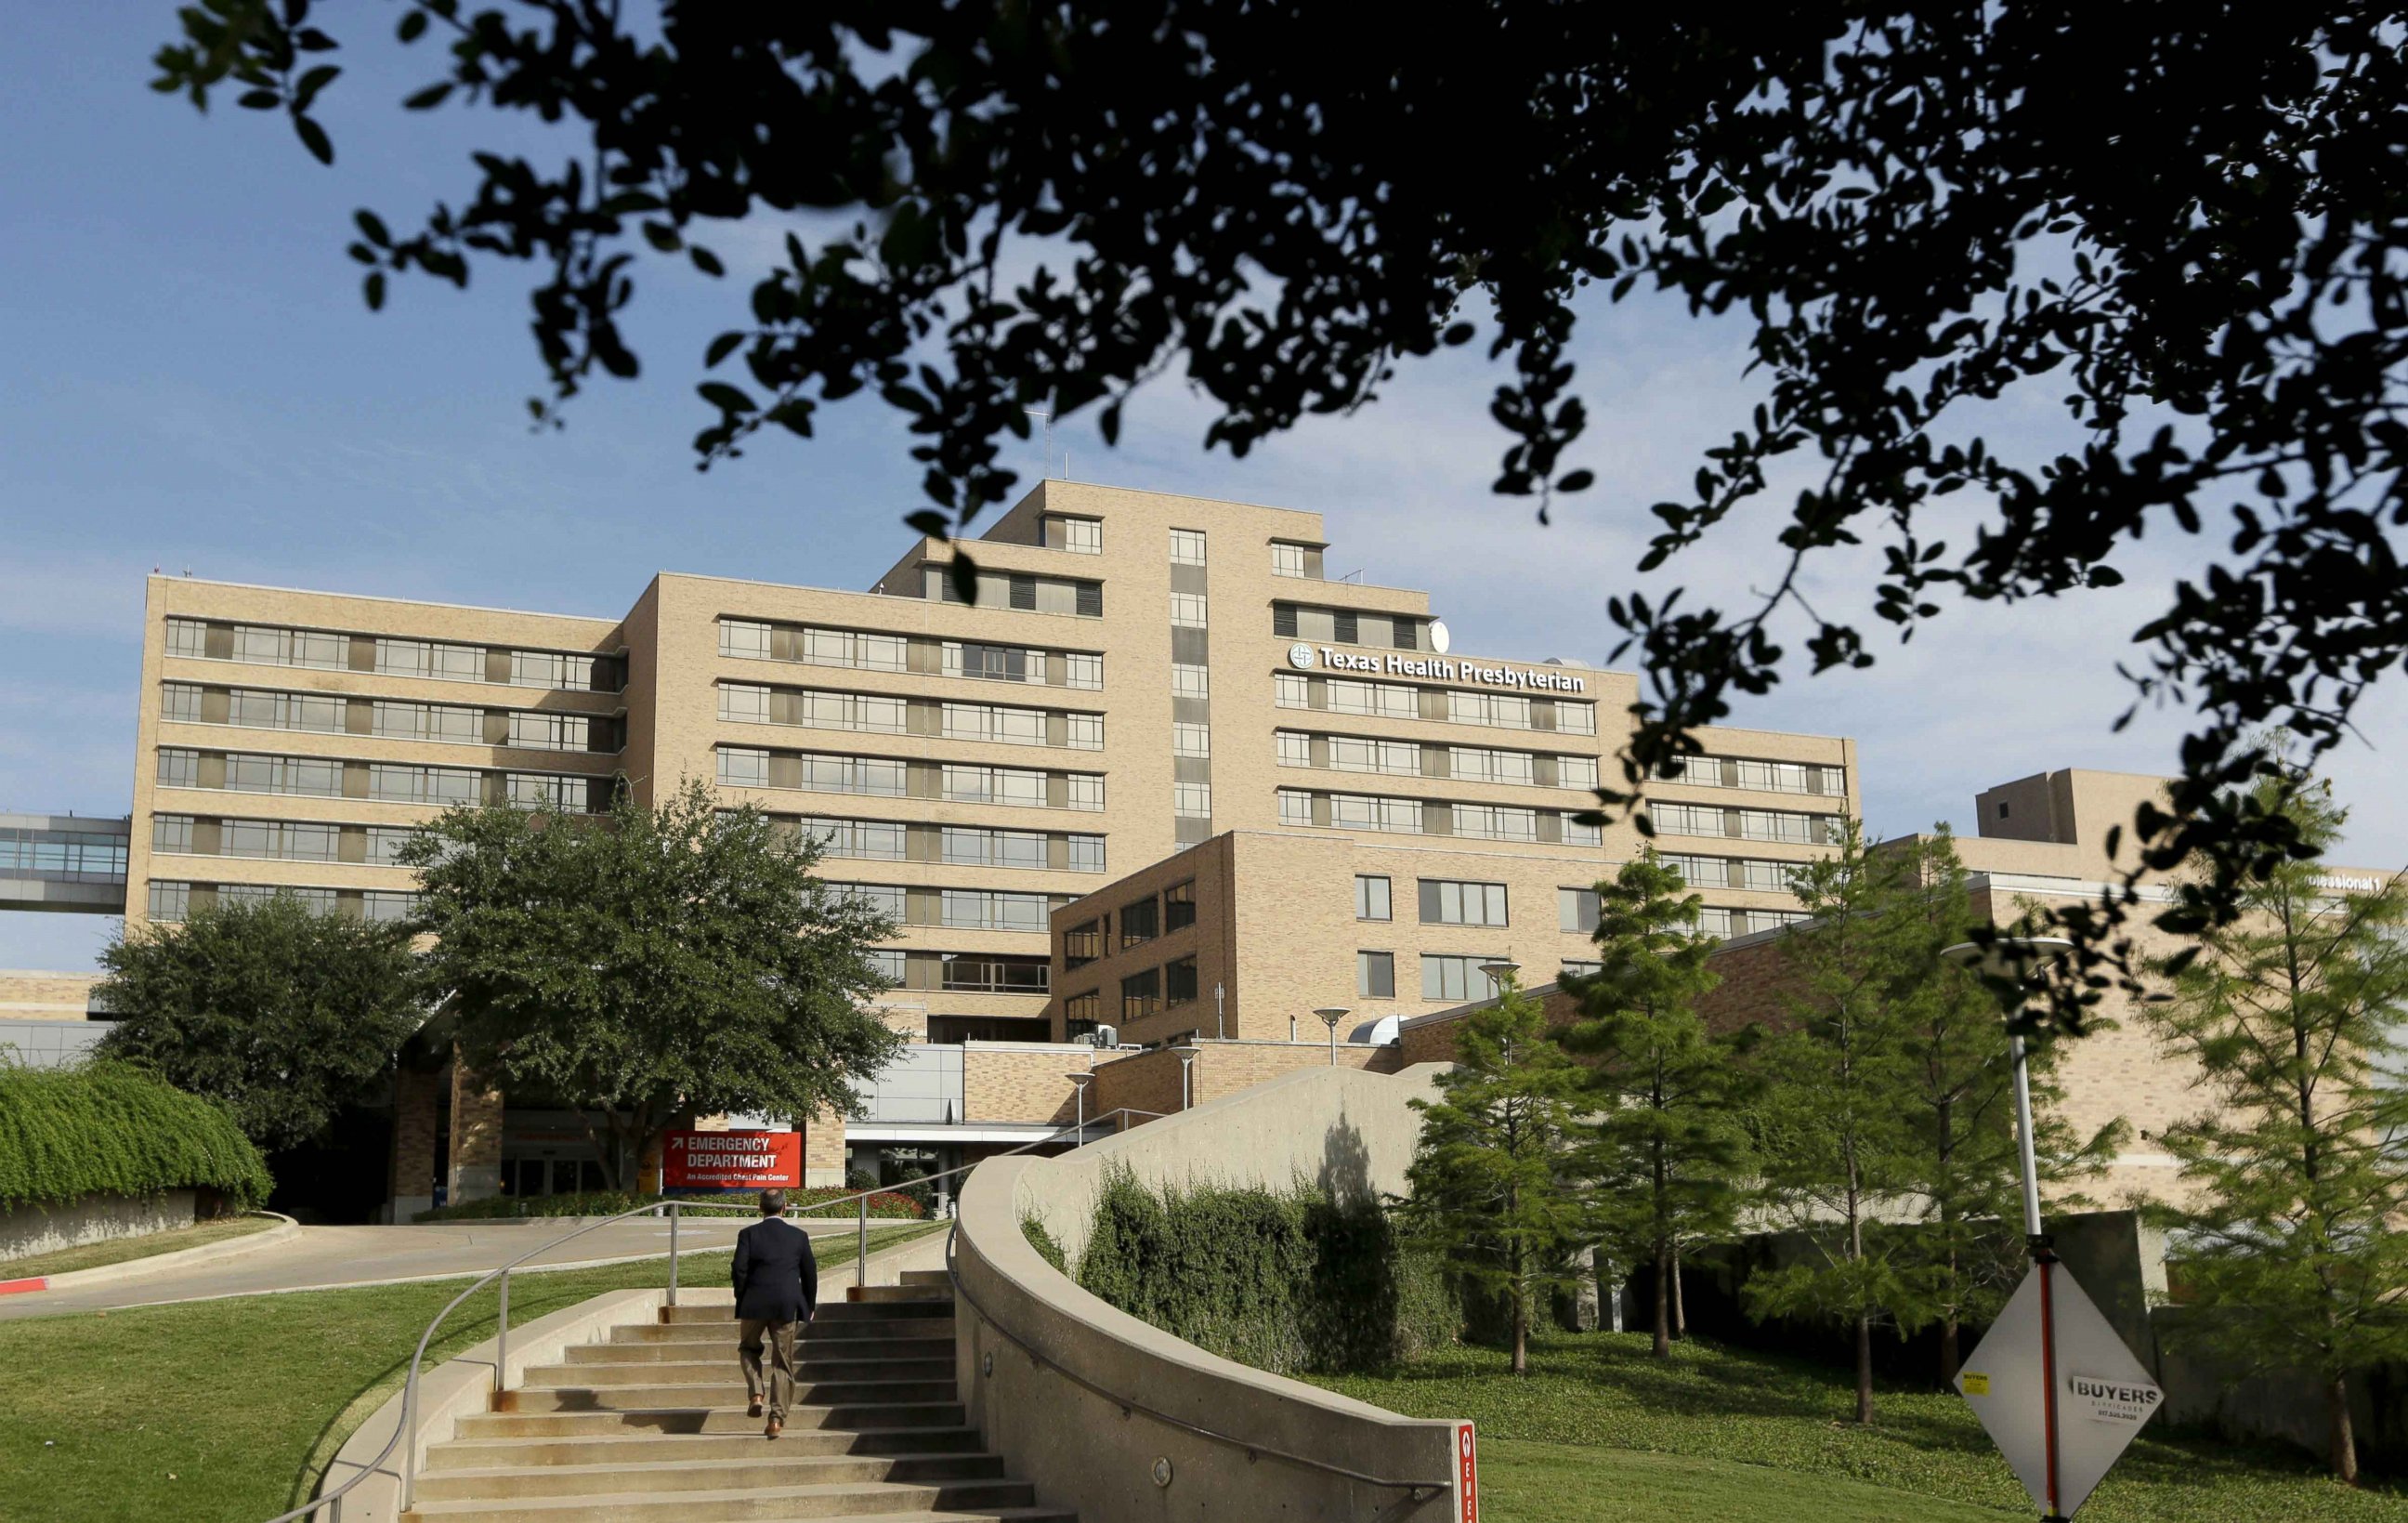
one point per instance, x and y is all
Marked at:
(475, 1166)
(1001, 1084)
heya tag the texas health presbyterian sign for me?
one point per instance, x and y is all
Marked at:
(732, 1161)
(1437, 669)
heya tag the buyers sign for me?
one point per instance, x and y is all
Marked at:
(2057, 1389)
(733, 1160)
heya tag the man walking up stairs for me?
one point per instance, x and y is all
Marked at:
(653, 1427)
(777, 1286)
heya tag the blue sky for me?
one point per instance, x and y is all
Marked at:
(192, 383)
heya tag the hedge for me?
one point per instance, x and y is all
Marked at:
(1286, 1281)
(105, 1129)
(889, 1205)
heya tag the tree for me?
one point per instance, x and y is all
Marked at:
(2178, 227)
(279, 1013)
(2299, 1170)
(1964, 1161)
(1671, 1154)
(1838, 1146)
(669, 960)
(1493, 1188)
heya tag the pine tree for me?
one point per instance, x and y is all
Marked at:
(2299, 1173)
(1961, 1099)
(1494, 1191)
(1671, 1150)
(1838, 1147)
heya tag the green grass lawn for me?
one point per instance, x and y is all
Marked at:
(124, 1250)
(226, 1411)
(1600, 1431)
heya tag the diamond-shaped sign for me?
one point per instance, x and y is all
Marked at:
(2101, 1393)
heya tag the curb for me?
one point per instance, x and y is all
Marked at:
(134, 1268)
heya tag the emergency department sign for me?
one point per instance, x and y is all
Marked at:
(733, 1160)
(2085, 1385)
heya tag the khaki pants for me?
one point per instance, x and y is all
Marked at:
(779, 1336)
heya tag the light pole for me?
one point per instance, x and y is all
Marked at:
(2021, 959)
(1186, 1091)
(1080, 1082)
(1330, 1015)
(1500, 971)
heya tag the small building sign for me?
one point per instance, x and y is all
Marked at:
(732, 1161)
(2061, 1409)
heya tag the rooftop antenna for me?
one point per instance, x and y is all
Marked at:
(1048, 417)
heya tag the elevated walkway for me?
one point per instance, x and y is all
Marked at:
(73, 863)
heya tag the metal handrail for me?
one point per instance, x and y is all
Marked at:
(1420, 1490)
(332, 1501)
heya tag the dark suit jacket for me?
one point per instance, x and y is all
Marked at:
(776, 1279)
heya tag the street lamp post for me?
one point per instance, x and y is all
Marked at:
(2022, 959)
(1080, 1082)
(1186, 1089)
(1330, 1015)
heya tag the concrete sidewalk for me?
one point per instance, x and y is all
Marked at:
(333, 1258)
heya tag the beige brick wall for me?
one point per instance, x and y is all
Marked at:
(47, 997)
(475, 1168)
(1001, 1084)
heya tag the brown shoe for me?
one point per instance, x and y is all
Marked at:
(774, 1429)
(752, 1411)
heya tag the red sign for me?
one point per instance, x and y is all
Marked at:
(733, 1160)
(1467, 1473)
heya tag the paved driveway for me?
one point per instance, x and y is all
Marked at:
(329, 1257)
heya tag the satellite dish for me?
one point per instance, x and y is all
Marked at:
(1439, 638)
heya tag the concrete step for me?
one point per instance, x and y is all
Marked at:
(821, 1330)
(870, 1418)
(725, 1345)
(739, 1439)
(768, 1466)
(687, 1369)
(719, 1393)
(900, 1295)
(831, 1308)
(944, 1278)
(982, 1514)
(763, 1505)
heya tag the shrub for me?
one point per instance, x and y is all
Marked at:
(1286, 1281)
(888, 1205)
(109, 1130)
(1042, 1241)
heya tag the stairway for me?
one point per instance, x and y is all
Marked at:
(650, 1428)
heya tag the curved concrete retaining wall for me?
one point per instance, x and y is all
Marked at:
(27, 1230)
(1124, 1422)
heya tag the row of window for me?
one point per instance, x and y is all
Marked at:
(61, 854)
(439, 660)
(1019, 590)
(1756, 873)
(1414, 759)
(1759, 776)
(1428, 817)
(1746, 824)
(1444, 705)
(755, 640)
(327, 713)
(1141, 921)
(1148, 992)
(174, 901)
(959, 845)
(968, 973)
(394, 783)
(1079, 535)
(743, 703)
(1346, 626)
(1018, 788)
(958, 909)
(278, 840)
